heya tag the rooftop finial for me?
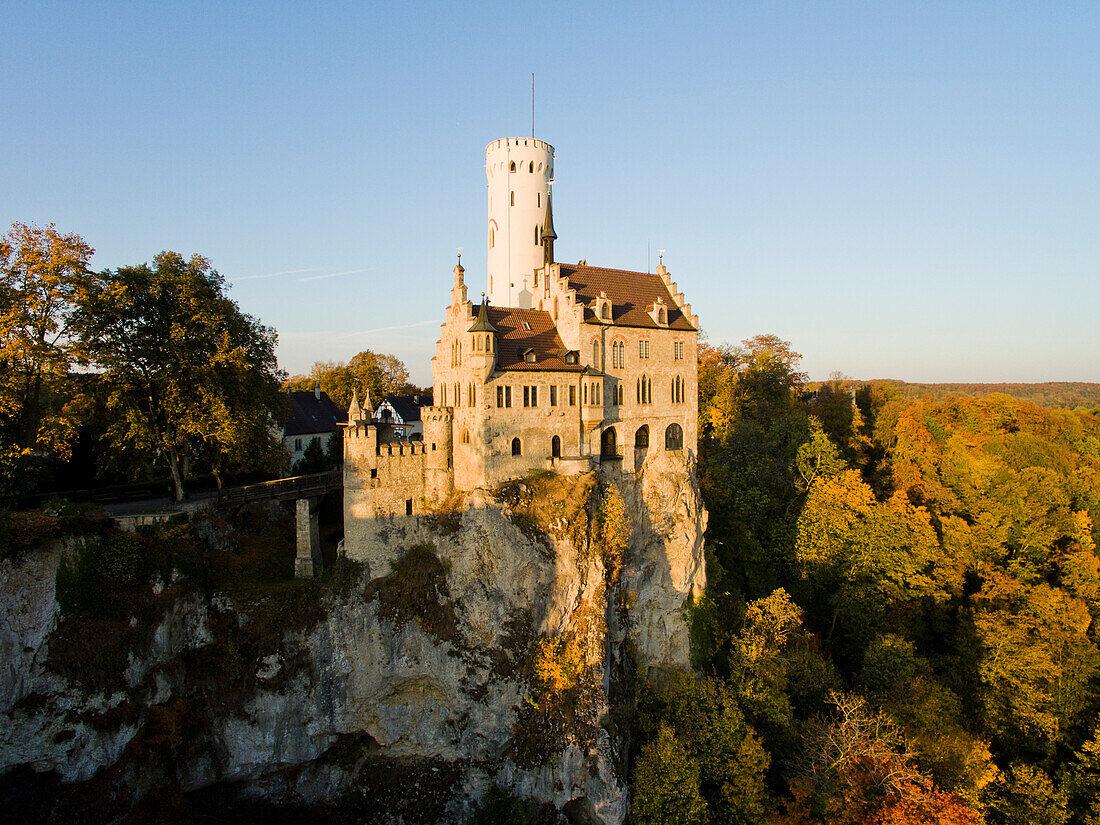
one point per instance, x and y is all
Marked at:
(660, 256)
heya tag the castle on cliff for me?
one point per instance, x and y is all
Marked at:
(561, 367)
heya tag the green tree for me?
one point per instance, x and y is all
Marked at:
(666, 784)
(312, 460)
(191, 378)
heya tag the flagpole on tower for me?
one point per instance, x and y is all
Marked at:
(532, 104)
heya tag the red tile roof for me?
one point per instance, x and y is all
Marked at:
(631, 294)
(513, 339)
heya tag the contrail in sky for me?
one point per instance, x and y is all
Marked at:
(330, 275)
(272, 274)
(398, 326)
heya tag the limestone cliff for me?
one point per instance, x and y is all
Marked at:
(493, 643)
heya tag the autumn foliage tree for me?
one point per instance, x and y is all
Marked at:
(41, 271)
(371, 374)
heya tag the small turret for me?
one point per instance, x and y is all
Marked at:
(458, 291)
(358, 413)
(483, 342)
(548, 233)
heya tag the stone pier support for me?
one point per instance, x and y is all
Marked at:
(308, 561)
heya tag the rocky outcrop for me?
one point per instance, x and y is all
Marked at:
(482, 646)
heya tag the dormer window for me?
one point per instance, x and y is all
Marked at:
(527, 325)
(529, 356)
(571, 357)
(658, 311)
(602, 307)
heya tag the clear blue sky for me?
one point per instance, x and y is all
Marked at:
(904, 190)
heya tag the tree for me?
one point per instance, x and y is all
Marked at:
(371, 374)
(855, 769)
(191, 378)
(666, 784)
(40, 272)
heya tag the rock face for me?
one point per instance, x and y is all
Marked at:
(490, 644)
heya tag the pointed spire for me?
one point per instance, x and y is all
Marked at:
(548, 222)
(483, 324)
(548, 235)
(355, 411)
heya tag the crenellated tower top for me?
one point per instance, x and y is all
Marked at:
(519, 173)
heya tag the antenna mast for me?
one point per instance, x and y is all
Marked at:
(532, 104)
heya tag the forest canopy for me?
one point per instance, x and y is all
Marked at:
(900, 617)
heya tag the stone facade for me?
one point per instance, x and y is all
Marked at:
(595, 367)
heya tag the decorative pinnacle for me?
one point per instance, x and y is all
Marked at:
(660, 256)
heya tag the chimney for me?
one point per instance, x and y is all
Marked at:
(317, 391)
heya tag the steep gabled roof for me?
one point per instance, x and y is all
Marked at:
(631, 294)
(406, 406)
(521, 329)
(307, 414)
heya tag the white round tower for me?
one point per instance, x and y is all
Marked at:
(520, 171)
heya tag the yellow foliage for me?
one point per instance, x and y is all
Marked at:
(558, 663)
(614, 531)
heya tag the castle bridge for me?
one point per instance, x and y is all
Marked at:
(305, 491)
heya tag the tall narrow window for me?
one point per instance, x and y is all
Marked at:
(507, 396)
(492, 237)
(527, 396)
(553, 395)
(555, 447)
(534, 396)
(513, 199)
(572, 395)
(500, 396)
(512, 166)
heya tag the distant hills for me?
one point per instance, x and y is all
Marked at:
(1068, 395)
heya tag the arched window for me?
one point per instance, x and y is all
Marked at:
(596, 353)
(607, 443)
(517, 448)
(512, 167)
(660, 316)
(641, 437)
(619, 394)
(531, 166)
(674, 437)
(513, 198)
(488, 343)
(605, 312)
(555, 447)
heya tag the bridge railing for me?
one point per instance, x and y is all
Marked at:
(295, 487)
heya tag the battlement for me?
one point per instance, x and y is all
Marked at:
(519, 143)
(437, 414)
(400, 448)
